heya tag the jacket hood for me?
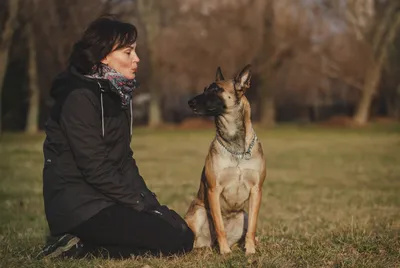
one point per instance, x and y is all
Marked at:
(61, 83)
(70, 79)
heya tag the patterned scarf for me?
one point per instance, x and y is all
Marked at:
(120, 85)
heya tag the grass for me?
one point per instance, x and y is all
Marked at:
(331, 198)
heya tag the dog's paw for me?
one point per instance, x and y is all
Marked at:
(250, 251)
(224, 250)
(250, 247)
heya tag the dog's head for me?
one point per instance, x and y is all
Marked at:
(222, 95)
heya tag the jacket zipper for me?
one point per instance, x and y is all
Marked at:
(127, 137)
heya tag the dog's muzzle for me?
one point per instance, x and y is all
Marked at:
(192, 103)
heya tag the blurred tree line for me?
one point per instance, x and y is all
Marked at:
(312, 59)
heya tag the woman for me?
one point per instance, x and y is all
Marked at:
(94, 195)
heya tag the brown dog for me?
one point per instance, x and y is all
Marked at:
(234, 168)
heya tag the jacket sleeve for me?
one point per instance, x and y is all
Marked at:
(81, 124)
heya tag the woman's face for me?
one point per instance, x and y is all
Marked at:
(124, 60)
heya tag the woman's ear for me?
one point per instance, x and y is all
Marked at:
(105, 61)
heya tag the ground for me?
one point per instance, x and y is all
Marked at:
(331, 197)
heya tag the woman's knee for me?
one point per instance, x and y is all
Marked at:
(188, 240)
(183, 242)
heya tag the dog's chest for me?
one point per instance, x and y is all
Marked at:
(236, 180)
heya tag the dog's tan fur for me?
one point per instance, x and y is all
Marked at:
(228, 182)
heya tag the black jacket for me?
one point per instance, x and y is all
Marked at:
(88, 162)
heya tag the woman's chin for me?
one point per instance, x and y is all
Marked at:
(130, 76)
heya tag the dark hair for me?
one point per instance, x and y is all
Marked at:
(102, 36)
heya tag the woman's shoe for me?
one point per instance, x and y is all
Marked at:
(66, 246)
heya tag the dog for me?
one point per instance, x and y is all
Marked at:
(234, 169)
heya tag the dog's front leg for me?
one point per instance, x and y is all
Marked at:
(215, 209)
(254, 207)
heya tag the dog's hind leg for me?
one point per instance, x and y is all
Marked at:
(199, 222)
(236, 227)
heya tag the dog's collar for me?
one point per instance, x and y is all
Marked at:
(247, 154)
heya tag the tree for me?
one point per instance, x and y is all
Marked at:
(5, 42)
(150, 15)
(32, 120)
(267, 93)
(266, 61)
(379, 36)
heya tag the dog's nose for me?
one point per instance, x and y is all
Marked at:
(192, 103)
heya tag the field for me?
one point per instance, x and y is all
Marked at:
(331, 197)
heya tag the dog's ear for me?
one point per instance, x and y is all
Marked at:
(242, 80)
(219, 76)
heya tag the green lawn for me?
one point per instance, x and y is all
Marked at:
(331, 197)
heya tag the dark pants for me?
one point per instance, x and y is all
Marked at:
(119, 231)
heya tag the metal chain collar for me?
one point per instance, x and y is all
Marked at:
(246, 154)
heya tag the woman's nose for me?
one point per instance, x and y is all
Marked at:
(136, 58)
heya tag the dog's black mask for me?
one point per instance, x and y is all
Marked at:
(210, 102)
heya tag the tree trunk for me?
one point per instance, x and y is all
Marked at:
(373, 77)
(155, 118)
(393, 103)
(316, 110)
(268, 113)
(397, 103)
(150, 15)
(5, 43)
(267, 107)
(34, 92)
(384, 36)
